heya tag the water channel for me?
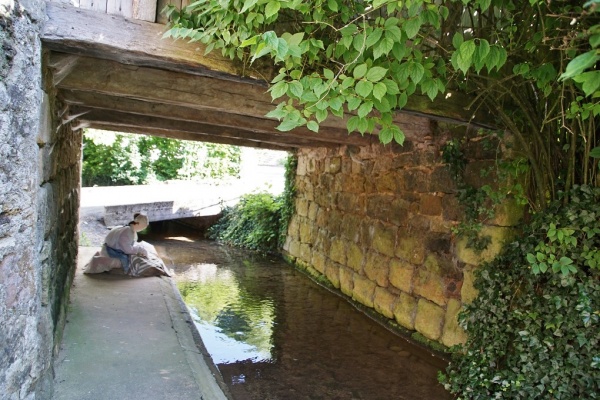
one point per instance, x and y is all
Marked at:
(276, 335)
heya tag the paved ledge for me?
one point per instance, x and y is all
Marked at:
(131, 338)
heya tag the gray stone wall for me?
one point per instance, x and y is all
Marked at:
(39, 184)
(377, 223)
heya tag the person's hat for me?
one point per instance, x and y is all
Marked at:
(141, 222)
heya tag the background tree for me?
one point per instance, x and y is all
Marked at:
(111, 158)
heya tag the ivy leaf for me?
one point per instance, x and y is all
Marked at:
(333, 5)
(398, 135)
(313, 126)
(321, 115)
(352, 124)
(272, 8)
(247, 5)
(279, 89)
(379, 3)
(580, 63)
(386, 135)
(383, 48)
(379, 90)
(295, 88)
(416, 71)
(359, 71)
(365, 109)
(249, 41)
(375, 74)
(412, 26)
(364, 88)
(288, 125)
(391, 86)
(327, 73)
(374, 37)
(457, 40)
(353, 103)
(590, 81)
(595, 152)
(465, 55)
(402, 100)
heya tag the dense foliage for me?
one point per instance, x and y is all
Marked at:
(259, 221)
(531, 65)
(534, 331)
(127, 159)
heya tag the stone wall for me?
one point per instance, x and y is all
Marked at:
(39, 181)
(376, 222)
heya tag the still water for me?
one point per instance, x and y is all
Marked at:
(276, 335)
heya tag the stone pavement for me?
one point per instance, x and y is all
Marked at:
(131, 338)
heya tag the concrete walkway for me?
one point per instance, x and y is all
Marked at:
(130, 338)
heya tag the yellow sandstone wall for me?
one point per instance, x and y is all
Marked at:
(376, 222)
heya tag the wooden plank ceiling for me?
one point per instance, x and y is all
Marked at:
(119, 74)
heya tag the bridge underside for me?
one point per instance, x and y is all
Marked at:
(119, 74)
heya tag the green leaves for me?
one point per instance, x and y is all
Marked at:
(465, 55)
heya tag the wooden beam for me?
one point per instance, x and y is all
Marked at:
(62, 66)
(225, 119)
(129, 41)
(186, 136)
(116, 118)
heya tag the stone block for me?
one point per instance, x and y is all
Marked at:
(399, 213)
(468, 293)
(353, 184)
(405, 310)
(438, 243)
(349, 202)
(419, 223)
(416, 180)
(305, 252)
(294, 248)
(451, 208)
(364, 290)
(335, 221)
(401, 274)
(499, 236)
(332, 272)
(377, 268)
(313, 209)
(334, 165)
(429, 319)
(384, 302)
(379, 206)
(442, 180)
(294, 227)
(452, 333)
(410, 247)
(386, 182)
(306, 231)
(474, 173)
(337, 252)
(431, 205)
(351, 227)
(302, 207)
(429, 283)
(318, 261)
(384, 239)
(356, 257)
(346, 281)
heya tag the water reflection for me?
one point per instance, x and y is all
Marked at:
(234, 325)
(275, 335)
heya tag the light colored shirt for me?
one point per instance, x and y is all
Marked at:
(124, 238)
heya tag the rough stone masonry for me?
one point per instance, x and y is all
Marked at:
(377, 223)
(39, 189)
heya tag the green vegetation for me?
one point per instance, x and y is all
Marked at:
(534, 328)
(259, 221)
(126, 159)
(530, 65)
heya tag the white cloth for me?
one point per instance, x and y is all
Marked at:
(124, 238)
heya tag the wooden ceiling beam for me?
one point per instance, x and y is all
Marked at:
(171, 134)
(93, 117)
(217, 118)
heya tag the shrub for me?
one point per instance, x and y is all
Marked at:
(254, 223)
(533, 331)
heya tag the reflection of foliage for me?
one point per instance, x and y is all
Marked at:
(126, 159)
(221, 302)
(533, 329)
(288, 197)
